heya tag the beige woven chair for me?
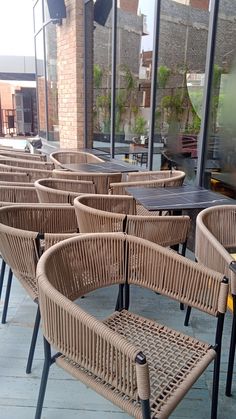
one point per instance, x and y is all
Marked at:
(102, 181)
(62, 190)
(16, 194)
(33, 174)
(25, 232)
(148, 179)
(141, 366)
(110, 213)
(24, 155)
(116, 213)
(216, 248)
(28, 164)
(14, 177)
(59, 158)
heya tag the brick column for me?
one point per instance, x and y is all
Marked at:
(70, 67)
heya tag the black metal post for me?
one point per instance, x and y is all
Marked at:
(113, 78)
(211, 43)
(231, 351)
(155, 52)
(45, 76)
(44, 379)
(8, 291)
(3, 267)
(33, 342)
(216, 373)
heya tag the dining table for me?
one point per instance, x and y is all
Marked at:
(186, 199)
(108, 166)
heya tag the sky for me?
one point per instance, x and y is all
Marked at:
(147, 8)
(16, 26)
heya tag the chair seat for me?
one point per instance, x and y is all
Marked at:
(175, 362)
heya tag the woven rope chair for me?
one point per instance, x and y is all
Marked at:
(175, 178)
(215, 248)
(33, 174)
(59, 158)
(62, 190)
(11, 194)
(111, 213)
(25, 232)
(17, 194)
(154, 175)
(141, 366)
(102, 181)
(14, 177)
(27, 164)
(24, 155)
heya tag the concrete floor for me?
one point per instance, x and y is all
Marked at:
(67, 398)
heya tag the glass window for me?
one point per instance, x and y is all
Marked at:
(51, 71)
(38, 16)
(40, 77)
(181, 69)
(220, 160)
(102, 76)
(133, 81)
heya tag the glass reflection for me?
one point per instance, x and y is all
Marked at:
(220, 164)
(181, 68)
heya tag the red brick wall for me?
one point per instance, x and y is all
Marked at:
(130, 6)
(70, 60)
(200, 4)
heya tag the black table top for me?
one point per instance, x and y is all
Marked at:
(178, 198)
(103, 167)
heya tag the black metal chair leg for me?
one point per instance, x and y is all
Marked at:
(127, 296)
(3, 267)
(44, 379)
(216, 373)
(146, 413)
(120, 299)
(188, 312)
(8, 291)
(231, 352)
(215, 389)
(181, 306)
(33, 342)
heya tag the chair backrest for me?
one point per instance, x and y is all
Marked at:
(175, 178)
(76, 266)
(103, 213)
(216, 239)
(62, 190)
(17, 194)
(155, 175)
(110, 213)
(27, 164)
(102, 181)
(33, 174)
(67, 157)
(14, 177)
(24, 155)
(26, 230)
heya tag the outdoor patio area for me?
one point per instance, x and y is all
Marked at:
(67, 398)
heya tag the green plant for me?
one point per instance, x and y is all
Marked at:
(217, 72)
(97, 76)
(163, 76)
(173, 105)
(120, 109)
(140, 125)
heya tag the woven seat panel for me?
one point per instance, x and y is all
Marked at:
(173, 359)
